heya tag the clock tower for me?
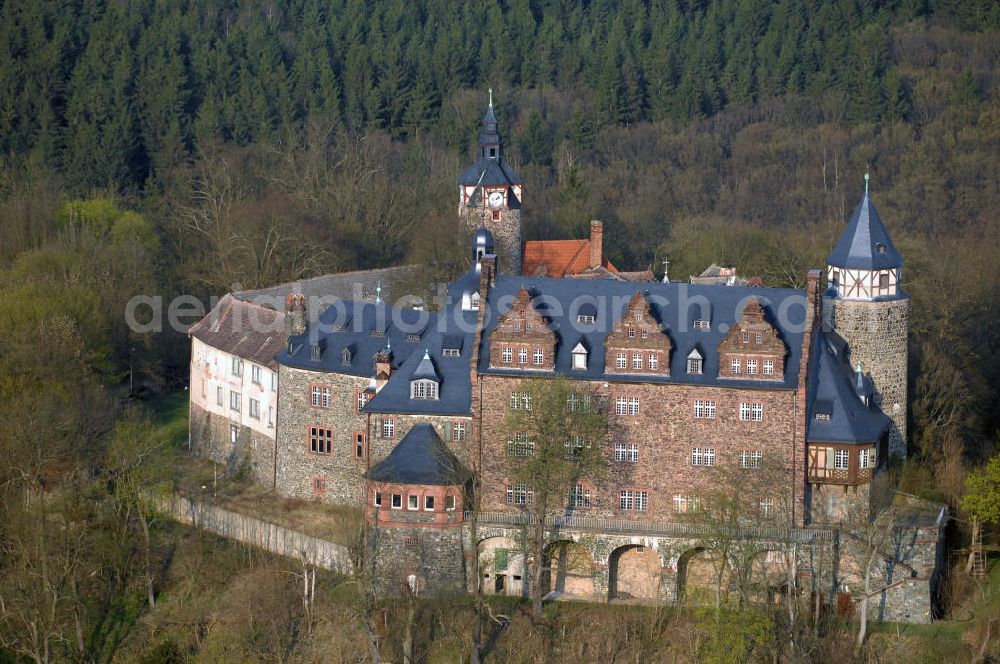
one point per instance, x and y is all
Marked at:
(489, 195)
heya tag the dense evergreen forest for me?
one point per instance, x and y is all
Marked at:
(189, 147)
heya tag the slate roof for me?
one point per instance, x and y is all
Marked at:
(408, 333)
(834, 391)
(356, 285)
(419, 458)
(566, 296)
(489, 172)
(865, 243)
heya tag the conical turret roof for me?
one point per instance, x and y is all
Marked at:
(865, 243)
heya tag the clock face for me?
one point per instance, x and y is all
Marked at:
(495, 199)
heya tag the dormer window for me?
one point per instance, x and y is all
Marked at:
(451, 352)
(694, 362)
(346, 357)
(493, 152)
(315, 352)
(423, 389)
(413, 338)
(702, 324)
(474, 302)
(585, 319)
(580, 357)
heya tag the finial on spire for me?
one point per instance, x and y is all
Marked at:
(491, 96)
(427, 354)
(866, 180)
(666, 270)
(857, 369)
(378, 293)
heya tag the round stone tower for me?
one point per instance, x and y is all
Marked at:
(489, 195)
(866, 304)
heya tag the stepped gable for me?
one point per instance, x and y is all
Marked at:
(420, 458)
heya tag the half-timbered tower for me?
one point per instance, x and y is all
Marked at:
(865, 303)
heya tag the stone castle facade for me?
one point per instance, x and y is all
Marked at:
(397, 410)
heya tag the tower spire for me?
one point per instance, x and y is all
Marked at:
(491, 96)
(866, 180)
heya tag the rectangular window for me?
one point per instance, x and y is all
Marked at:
(254, 409)
(270, 416)
(429, 503)
(627, 406)
(520, 401)
(631, 333)
(359, 445)
(768, 367)
(274, 382)
(451, 352)
(766, 507)
(637, 360)
(219, 395)
(519, 494)
(751, 366)
(735, 366)
(319, 486)
(412, 502)
(388, 427)
(449, 503)
(234, 401)
(759, 338)
(538, 357)
(522, 355)
(645, 333)
(702, 324)
(458, 431)
(704, 409)
(694, 365)
(633, 500)
(654, 362)
(683, 504)
(883, 280)
(752, 412)
(520, 446)
(751, 459)
(378, 499)
(255, 374)
(746, 337)
(507, 354)
(620, 360)
(840, 460)
(320, 396)
(580, 497)
(703, 456)
(234, 433)
(237, 366)
(320, 440)
(397, 501)
(868, 458)
(626, 452)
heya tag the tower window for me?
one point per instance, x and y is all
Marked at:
(883, 280)
(496, 215)
(493, 152)
(836, 278)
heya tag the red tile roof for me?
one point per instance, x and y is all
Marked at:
(558, 258)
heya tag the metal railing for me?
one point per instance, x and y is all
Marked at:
(668, 529)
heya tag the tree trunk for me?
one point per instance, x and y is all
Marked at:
(863, 627)
(408, 635)
(151, 598)
(536, 572)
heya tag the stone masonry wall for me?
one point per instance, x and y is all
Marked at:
(381, 447)
(665, 432)
(297, 468)
(433, 555)
(506, 234)
(877, 335)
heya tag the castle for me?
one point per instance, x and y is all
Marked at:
(359, 401)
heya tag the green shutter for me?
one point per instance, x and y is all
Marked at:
(447, 431)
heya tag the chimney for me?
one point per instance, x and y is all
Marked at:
(383, 367)
(812, 294)
(295, 314)
(596, 243)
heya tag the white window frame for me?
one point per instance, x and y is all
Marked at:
(841, 460)
(636, 361)
(752, 367)
(255, 376)
(633, 500)
(507, 354)
(579, 497)
(621, 360)
(704, 409)
(768, 367)
(695, 365)
(412, 502)
(522, 355)
(388, 428)
(734, 366)
(254, 409)
(538, 356)
(235, 401)
(519, 494)
(626, 452)
(751, 459)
